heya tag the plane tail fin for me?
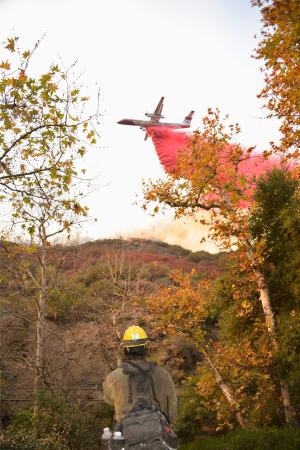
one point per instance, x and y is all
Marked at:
(189, 117)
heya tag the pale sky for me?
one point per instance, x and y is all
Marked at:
(196, 53)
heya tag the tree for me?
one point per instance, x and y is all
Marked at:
(43, 125)
(280, 52)
(121, 283)
(244, 350)
(209, 175)
(274, 224)
(44, 131)
(181, 310)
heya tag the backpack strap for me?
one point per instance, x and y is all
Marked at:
(147, 374)
(130, 388)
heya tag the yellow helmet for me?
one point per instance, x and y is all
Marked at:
(135, 336)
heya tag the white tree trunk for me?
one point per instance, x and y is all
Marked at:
(39, 354)
(289, 411)
(264, 295)
(226, 390)
(40, 333)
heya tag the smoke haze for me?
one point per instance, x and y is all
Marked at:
(185, 232)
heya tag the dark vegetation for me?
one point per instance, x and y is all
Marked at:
(101, 287)
(230, 333)
(98, 291)
(262, 439)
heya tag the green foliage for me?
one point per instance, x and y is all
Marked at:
(157, 271)
(275, 226)
(244, 353)
(176, 250)
(193, 413)
(59, 426)
(289, 332)
(27, 440)
(252, 439)
(220, 299)
(236, 307)
(216, 261)
(68, 302)
(287, 360)
(43, 131)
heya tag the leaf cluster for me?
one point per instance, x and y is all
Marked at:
(279, 50)
(43, 132)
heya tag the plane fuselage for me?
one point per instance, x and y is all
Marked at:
(150, 124)
(154, 121)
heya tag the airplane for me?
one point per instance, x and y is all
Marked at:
(155, 120)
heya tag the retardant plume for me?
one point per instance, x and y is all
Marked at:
(169, 142)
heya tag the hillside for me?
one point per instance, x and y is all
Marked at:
(146, 250)
(98, 292)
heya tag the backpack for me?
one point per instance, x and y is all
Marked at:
(144, 424)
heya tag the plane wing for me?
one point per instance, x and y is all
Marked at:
(156, 115)
(159, 107)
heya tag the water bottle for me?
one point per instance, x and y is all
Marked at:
(117, 441)
(105, 438)
(170, 438)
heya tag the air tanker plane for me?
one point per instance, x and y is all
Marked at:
(155, 120)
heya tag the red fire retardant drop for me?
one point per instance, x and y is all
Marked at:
(168, 142)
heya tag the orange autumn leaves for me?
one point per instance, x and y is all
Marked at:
(279, 51)
(180, 308)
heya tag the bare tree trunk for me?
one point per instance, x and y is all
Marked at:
(226, 390)
(289, 411)
(40, 333)
(125, 283)
(264, 295)
(39, 354)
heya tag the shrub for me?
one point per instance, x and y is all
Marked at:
(256, 439)
(59, 426)
(27, 440)
(193, 415)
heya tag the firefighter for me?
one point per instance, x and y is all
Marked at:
(139, 380)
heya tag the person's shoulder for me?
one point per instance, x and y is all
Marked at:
(114, 375)
(161, 371)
